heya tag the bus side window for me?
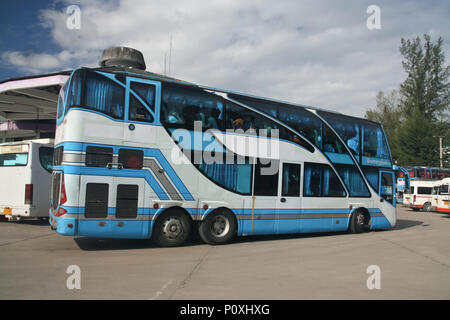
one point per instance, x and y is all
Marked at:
(321, 181)
(96, 205)
(138, 112)
(131, 158)
(127, 201)
(291, 180)
(266, 177)
(98, 156)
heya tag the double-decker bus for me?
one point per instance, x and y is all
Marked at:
(142, 155)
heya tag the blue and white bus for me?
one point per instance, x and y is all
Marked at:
(133, 154)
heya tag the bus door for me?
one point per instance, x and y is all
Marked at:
(265, 197)
(142, 108)
(387, 188)
(289, 202)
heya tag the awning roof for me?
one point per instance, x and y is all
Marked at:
(31, 98)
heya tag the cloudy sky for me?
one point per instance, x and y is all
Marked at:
(318, 53)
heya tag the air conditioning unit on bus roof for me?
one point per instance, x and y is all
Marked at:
(122, 57)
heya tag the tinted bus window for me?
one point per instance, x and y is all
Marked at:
(131, 158)
(320, 181)
(290, 180)
(146, 92)
(266, 177)
(46, 158)
(424, 190)
(98, 156)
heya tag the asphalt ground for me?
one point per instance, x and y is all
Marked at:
(411, 261)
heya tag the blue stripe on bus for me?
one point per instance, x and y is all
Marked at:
(124, 173)
(148, 152)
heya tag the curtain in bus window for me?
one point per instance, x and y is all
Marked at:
(104, 95)
(321, 181)
(353, 180)
(374, 144)
(235, 177)
(74, 91)
(372, 178)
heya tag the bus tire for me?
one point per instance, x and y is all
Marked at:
(172, 228)
(219, 227)
(426, 207)
(359, 222)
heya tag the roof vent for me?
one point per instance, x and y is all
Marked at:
(122, 57)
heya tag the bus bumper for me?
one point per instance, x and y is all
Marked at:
(63, 225)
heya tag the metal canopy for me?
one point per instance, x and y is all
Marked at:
(31, 98)
(28, 105)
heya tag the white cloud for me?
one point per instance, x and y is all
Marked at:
(306, 52)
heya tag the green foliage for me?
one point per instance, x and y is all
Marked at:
(418, 113)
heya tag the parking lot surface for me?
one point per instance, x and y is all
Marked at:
(413, 261)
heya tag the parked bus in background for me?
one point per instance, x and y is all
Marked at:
(435, 195)
(421, 193)
(25, 171)
(141, 155)
(444, 196)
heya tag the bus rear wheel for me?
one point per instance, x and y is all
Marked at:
(171, 229)
(219, 227)
(359, 222)
(427, 207)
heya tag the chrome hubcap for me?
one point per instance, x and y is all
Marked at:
(220, 226)
(172, 228)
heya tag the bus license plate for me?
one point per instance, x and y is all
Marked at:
(7, 211)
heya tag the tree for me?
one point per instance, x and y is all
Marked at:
(420, 112)
(426, 88)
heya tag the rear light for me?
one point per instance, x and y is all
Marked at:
(414, 198)
(28, 194)
(60, 212)
(63, 195)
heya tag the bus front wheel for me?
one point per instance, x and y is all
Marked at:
(171, 229)
(359, 222)
(219, 227)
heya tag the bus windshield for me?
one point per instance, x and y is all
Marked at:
(96, 91)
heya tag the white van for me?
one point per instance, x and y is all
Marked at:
(444, 196)
(25, 173)
(421, 194)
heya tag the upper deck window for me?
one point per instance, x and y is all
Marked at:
(89, 89)
(146, 92)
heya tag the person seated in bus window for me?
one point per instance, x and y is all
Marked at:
(317, 138)
(238, 124)
(353, 144)
(175, 118)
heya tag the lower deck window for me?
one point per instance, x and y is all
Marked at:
(96, 200)
(130, 158)
(98, 156)
(321, 181)
(127, 201)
